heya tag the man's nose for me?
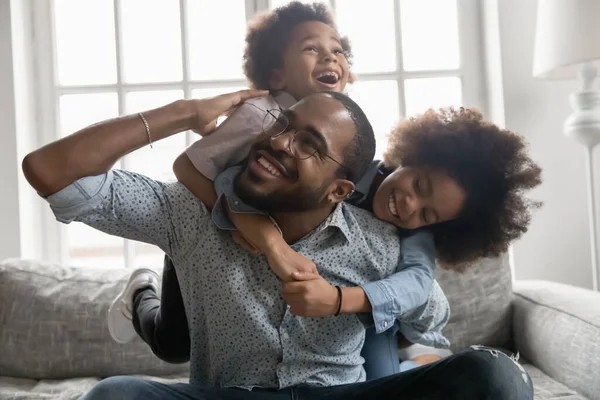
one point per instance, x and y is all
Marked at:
(282, 142)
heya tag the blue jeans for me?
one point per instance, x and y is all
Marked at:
(473, 374)
(380, 352)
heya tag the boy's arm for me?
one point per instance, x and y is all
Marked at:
(198, 166)
(194, 180)
(264, 236)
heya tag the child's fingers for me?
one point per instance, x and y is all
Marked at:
(305, 276)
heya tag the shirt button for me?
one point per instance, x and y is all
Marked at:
(236, 202)
(285, 336)
(385, 324)
(284, 369)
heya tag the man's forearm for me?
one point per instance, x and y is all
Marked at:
(95, 149)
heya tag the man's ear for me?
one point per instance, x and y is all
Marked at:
(277, 81)
(340, 190)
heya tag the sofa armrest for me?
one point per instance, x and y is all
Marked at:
(556, 327)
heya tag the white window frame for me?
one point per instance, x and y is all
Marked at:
(54, 246)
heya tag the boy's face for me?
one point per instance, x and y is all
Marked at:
(411, 198)
(313, 61)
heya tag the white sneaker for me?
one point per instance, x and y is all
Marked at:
(119, 313)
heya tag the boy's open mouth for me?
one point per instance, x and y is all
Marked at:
(329, 78)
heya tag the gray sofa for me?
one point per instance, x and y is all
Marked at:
(54, 343)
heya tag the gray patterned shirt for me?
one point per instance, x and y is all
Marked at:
(242, 332)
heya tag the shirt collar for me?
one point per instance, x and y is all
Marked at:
(363, 186)
(338, 219)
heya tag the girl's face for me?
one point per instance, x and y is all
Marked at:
(411, 198)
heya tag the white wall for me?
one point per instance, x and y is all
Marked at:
(20, 207)
(10, 243)
(557, 245)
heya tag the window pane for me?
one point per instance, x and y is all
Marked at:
(379, 100)
(87, 246)
(224, 22)
(80, 110)
(373, 38)
(429, 34)
(210, 92)
(85, 42)
(155, 162)
(422, 94)
(147, 255)
(91, 248)
(151, 41)
(279, 3)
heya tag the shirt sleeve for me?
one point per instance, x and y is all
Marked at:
(133, 206)
(229, 144)
(424, 324)
(407, 289)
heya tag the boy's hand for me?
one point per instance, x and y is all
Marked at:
(312, 297)
(286, 262)
(207, 111)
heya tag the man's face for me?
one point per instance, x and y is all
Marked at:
(275, 180)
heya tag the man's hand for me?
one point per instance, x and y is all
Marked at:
(207, 111)
(310, 296)
(285, 261)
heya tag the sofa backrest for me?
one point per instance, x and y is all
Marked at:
(53, 324)
(480, 304)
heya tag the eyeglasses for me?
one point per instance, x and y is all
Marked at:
(303, 144)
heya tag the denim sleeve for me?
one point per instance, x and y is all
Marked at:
(407, 289)
(424, 324)
(133, 206)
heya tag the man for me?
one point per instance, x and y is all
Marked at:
(246, 344)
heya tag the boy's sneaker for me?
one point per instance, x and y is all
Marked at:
(120, 311)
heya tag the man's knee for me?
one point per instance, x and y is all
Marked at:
(496, 375)
(119, 388)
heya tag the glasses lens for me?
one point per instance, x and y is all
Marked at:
(304, 145)
(274, 123)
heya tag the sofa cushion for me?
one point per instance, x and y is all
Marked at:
(546, 388)
(67, 389)
(53, 324)
(480, 304)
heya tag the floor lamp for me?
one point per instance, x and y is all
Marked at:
(567, 46)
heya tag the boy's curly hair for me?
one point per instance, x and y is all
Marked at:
(489, 163)
(268, 34)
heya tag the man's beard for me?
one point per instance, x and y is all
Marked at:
(298, 201)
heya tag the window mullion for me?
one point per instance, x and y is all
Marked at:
(128, 245)
(399, 60)
(470, 47)
(185, 59)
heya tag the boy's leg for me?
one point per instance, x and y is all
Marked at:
(479, 373)
(161, 321)
(132, 388)
(119, 315)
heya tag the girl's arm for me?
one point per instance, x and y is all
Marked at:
(256, 229)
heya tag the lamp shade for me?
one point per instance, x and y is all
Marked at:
(567, 35)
